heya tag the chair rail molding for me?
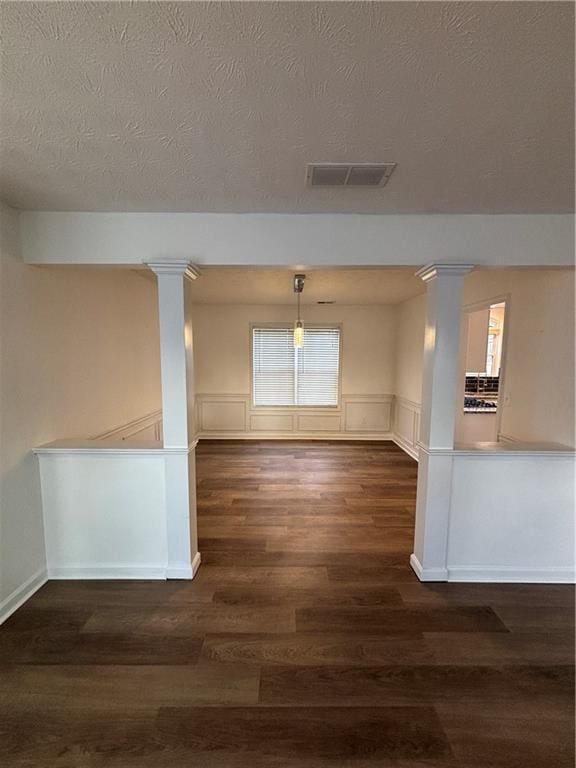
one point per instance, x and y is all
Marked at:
(148, 426)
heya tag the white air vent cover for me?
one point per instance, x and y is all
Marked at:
(348, 174)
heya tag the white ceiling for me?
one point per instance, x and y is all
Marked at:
(274, 286)
(218, 106)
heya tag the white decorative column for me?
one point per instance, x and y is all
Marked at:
(441, 372)
(183, 557)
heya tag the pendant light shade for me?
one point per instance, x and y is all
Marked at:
(298, 335)
(298, 327)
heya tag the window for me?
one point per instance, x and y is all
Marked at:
(282, 375)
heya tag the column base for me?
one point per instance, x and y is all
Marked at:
(184, 570)
(427, 574)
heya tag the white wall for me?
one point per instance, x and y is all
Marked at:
(538, 392)
(222, 364)
(309, 239)
(80, 354)
(105, 513)
(410, 316)
(512, 518)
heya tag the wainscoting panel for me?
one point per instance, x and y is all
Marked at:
(223, 415)
(318, 423)
(272, 422)
(407, 425)
(368, 415)
(362, 417)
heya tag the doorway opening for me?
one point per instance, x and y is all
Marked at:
(483, 366)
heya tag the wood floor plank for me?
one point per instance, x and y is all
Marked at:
(194, 619)
(304, 539)
(341, 562)
(384, 620)
(311, 596)
(66, 647)
(339, 734)
(123, 688)
(530, 618)
(493, 649)
(274, 576)
(314, 650)
(515, 595)
(402, 684)
(502, 739)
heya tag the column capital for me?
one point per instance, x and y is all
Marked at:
(432, 271)
(181, 267)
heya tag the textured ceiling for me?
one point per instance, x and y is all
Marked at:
(274, 286)
(218, 106)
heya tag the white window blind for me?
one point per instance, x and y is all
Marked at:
(282, 375)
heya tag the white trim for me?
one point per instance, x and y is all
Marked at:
(71, 448)
(356, 436)
(429, 574)
(506, 450)
(410, 403)
(503, 574)
(109, 571)
(22, 593)
(130, 428)
(249, 431)
(507, 438)
(184, 570)
(406, 447)
(181, 267)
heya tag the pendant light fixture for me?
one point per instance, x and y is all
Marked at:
(298, 327)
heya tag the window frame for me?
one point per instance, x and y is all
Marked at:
(293, 408)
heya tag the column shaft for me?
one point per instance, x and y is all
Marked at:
(441, 372)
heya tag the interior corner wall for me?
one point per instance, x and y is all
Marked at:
(538, 393)
(410, 323)
(79, 355)
(223, 372)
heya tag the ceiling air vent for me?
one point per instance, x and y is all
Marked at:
(348, 174)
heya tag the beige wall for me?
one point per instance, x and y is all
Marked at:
(411, 317)
(538, 394)
(79, 355)
(222, 364)
(539, 380)
(222, 344)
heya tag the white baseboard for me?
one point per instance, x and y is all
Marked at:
(113, 571)
(80, 571)
(359, 436)
(494, 574)
(427, 574)
(184, 570)
(406, 447)
(22, 593)
(511, 574)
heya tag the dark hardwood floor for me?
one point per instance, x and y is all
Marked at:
(305, 641)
